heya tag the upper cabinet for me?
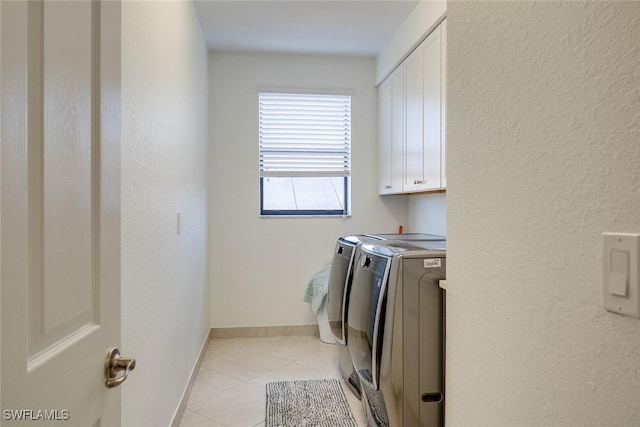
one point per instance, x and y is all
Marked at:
(415, 155)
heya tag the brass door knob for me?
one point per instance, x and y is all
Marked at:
(113, 364)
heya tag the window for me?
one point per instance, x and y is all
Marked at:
(305, 154)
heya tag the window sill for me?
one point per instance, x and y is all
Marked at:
(307, 216)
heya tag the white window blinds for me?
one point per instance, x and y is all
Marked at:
(304, 135)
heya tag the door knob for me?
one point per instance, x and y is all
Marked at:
(113, 364)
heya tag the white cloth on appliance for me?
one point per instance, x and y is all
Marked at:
(317, 289)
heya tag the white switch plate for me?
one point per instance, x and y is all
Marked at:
(620, 274)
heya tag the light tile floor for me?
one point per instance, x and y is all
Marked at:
(229, 390)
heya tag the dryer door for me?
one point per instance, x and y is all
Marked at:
(366, 314)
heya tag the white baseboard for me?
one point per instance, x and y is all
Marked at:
(177, 416)
(265, 331)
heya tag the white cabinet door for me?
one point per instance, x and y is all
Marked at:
(423, 118)
(443, 111)
(432, 106)
(60, 200)
(398, 130)
(413, 154)
(392, 127)
(385, 184)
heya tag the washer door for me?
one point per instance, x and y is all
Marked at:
(339, 281)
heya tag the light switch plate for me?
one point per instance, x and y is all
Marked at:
(620, 274)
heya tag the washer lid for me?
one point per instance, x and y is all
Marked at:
(410, 237)
(403, 248)
(356, 239)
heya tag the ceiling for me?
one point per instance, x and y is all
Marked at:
(330, 27)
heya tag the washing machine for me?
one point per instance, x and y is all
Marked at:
(395, 328)
(340, 276)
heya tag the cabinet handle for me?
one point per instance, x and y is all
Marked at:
(386, 187)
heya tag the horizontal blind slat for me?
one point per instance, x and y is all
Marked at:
(304, 135)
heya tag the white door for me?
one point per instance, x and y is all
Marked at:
(60, 211)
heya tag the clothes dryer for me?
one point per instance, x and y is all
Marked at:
(395, 326)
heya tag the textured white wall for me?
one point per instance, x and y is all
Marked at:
(260, 266)
(165, 291)
(543, 155)
(428, 213)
